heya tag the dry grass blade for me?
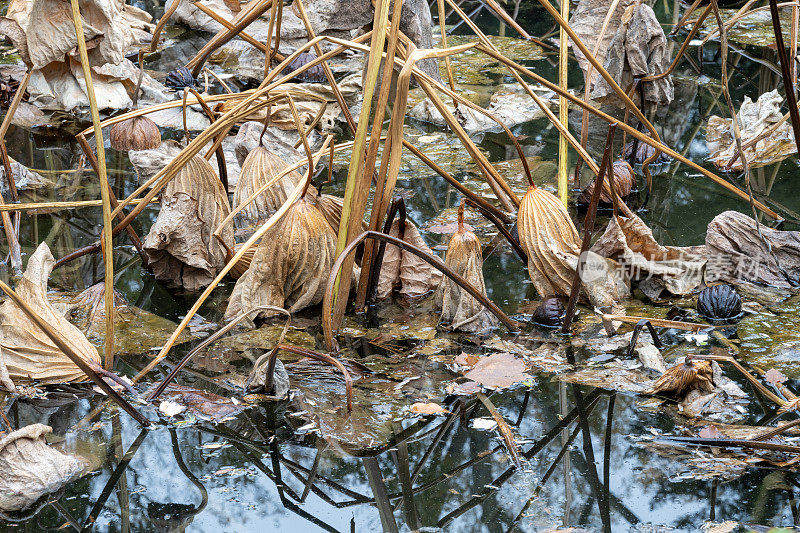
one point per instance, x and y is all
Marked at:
(505, 430)
(107, 240)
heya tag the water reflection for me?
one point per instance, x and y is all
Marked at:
(254, 472)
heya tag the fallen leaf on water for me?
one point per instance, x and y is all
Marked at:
(484, 424)
(170, 408)
(775, 376)
(464, 389)
(711, 432)
(498, 371)
(428, 409)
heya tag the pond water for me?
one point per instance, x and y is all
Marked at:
(304, 465)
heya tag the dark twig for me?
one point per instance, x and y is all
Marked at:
(588, 227)
(791, 98)
(637, 329)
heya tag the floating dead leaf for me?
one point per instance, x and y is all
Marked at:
(656, 268)
(32, 469)
(498, 371)
(428, 409)
(757, 120)
(639, 48)
(203, 404)
(402, 269)
(483, 424)
(711, 432)
(468, 388)
(26, 353)
(774, 376)
(291, 265)
(466, 359)
(464, 257)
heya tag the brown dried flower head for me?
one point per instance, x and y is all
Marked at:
(137, 133)
(681, 378)
(464, 256)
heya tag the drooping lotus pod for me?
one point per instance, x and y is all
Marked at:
(291, 265)
(549, 239)
(551, 242)
(549, 313)
(259, 168)
(719, 302)
(180, 247)
(460, 309)
(624, 184)
(137, 133)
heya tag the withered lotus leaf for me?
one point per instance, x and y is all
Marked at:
(32, 469)
(551, 242)
(290, 266)
(259, 168)
(137, 133)
(180, 247)
(460, 309)
(28, 355)
(405, 270)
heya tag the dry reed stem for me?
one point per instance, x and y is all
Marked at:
(107, 241)
(505, 430)
(631, 131)
(372, 151)
(358, 183)
(658, 322)
(77, 204)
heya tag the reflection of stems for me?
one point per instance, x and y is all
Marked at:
(176, 452)
(505, 431)
(112, 481)
(379, 491)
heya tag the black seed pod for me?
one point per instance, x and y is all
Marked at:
(315, 74)
(549, 313)
(180, 78)
(720, 302)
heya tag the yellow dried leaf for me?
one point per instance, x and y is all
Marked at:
(291, 265)
(259, 168)
(428, 409)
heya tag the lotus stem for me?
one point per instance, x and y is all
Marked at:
(788, 86)
(563, 116)
(222, 166)
(588, 228)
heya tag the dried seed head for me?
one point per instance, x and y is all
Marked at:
(720, 302)
(137, 133)
(624, 184)
(549, 313)
(681, 378)
(180, 78)
(464, 256)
